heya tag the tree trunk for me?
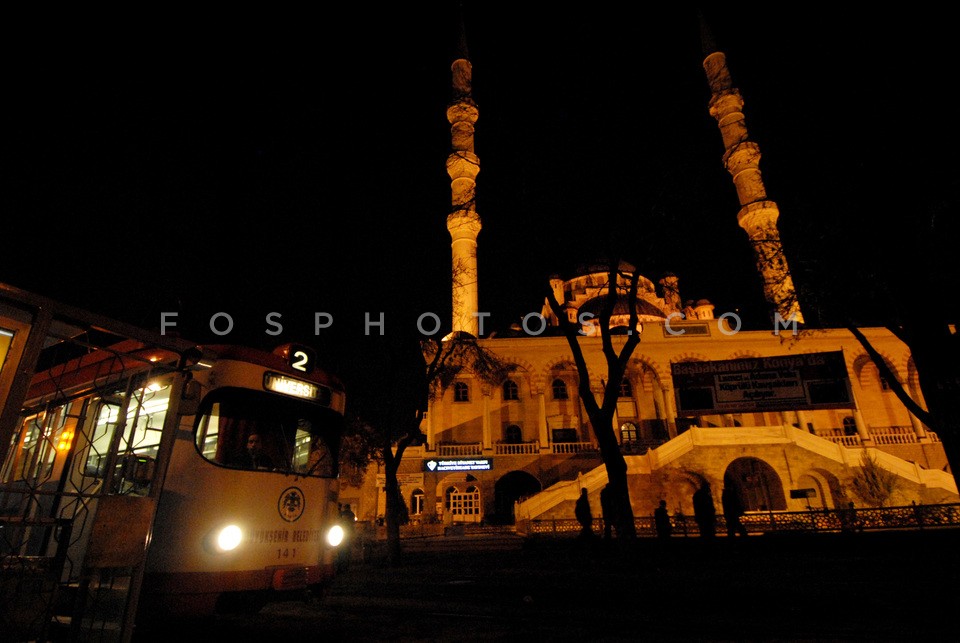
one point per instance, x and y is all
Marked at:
(617, 479)
(392, 511)
(616, 475)
(936, 357)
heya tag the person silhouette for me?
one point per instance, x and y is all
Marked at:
(661, 519)
(583, 514)
(348, 520)
(254, 457)
(704, 512)
(732, 510)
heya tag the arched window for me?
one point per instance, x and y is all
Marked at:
(416, 502)
(560, 390)
(461, 392)
(628, 433)
(625, 389)
(446, 496)
(513, 434)
(471, 503)
(510, 390)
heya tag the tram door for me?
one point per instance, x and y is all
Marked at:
(465, 506)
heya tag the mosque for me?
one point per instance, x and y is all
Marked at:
(790, 419)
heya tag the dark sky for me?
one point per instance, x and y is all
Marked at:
(294, 162)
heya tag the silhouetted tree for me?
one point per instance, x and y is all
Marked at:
(617, 349)
(871, 291)
(389, 408)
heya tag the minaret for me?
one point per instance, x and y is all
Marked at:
(463, 165)
(758, 215)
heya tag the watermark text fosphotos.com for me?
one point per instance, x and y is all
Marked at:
(429, 324)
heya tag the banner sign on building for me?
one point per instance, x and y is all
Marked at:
(415, 479)
(809, 381)
(463, 464)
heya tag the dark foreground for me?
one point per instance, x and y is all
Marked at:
(851, 587)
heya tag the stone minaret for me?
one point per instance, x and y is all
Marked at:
(463, 222)
(758, 215)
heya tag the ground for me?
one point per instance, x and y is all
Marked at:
(849, 587)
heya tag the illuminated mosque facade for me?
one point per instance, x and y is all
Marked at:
(790, 422)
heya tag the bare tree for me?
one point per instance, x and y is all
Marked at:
(391, 410)
(871, 295)
(601, 413)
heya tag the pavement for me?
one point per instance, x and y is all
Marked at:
(885, 586)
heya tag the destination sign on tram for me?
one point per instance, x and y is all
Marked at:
(296, 388)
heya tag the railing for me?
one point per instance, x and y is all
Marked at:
(573, 447)
(910, 517)
(882, 435)
(459, 449)
(839, 436)
(521, 448)
(893, 434)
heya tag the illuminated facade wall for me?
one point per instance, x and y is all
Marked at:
(536, 439)
(540, 444)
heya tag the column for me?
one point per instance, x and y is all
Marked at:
(542, 422)
(487, 429)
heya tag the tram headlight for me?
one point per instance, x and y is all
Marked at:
(335, 536)
(229, 538)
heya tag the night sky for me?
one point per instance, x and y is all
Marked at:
(294, 162)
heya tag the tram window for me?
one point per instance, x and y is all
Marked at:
(142, 427)
(42, 444)
(297, 437)
(34, 460)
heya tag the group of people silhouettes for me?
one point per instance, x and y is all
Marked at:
(704, 512)
(608, 508)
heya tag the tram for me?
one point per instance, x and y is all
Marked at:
(128, 468)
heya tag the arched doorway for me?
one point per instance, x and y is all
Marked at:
(461, 499)
(826, 485)
(511, 487)
(464, 506)
(757, 484)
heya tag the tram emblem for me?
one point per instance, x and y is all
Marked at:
(291, 504)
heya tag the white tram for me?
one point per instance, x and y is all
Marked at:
(126, 473)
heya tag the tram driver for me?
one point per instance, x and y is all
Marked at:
(254, 456)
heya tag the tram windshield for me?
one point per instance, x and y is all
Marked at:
(255, 430)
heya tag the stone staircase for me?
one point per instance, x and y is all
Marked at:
(564, 493)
